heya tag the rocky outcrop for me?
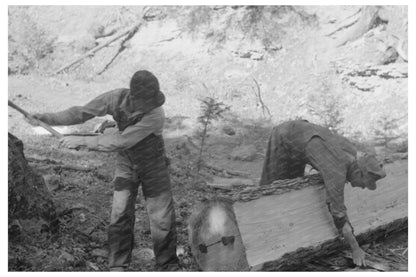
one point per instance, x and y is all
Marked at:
(368, 77)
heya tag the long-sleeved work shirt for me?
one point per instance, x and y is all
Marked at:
(329, 153)
(134, 122)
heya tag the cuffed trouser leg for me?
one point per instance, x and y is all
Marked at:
(159, 204)
(162, 227)
(121, 229)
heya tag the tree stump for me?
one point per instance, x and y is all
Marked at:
(215, 238)
(30, 203)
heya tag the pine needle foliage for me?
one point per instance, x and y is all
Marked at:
(211, 110)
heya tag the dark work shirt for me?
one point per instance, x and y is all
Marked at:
(118, 104)
(329, 153)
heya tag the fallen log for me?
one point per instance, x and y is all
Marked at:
(296, 226)
(288, 222)
(120, 49)
(132, 29)
(57, 165)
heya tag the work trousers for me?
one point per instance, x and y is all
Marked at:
(146, 166)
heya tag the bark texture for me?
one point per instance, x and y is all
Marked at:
(29, 199)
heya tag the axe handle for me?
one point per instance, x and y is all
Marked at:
(41, 123)
(82, 134)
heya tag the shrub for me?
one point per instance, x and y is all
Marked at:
(263, 23)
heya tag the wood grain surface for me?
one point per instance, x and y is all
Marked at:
(272, 227)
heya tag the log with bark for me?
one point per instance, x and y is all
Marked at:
(288, 222)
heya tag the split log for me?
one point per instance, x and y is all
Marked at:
(288, 223)
(295, 227)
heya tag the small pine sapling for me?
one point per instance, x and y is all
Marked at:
(387, 129)
(211, 110)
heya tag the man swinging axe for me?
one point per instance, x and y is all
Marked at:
(141, 160)
(294, 144)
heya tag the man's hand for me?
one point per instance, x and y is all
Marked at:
(358, 257)
(105, 125)
(73, 142)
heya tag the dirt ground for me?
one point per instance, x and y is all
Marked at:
(80, 183)
(86, 197)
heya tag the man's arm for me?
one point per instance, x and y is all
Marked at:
(333, 171)
(358, 254)
(99, 106)
(150, 123)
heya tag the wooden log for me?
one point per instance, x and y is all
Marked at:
(293, 227)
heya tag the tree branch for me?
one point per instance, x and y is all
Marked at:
(96, 49)
(132, 32)
(258, 95)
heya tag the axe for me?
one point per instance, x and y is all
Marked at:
(43, 124)
(46, 126)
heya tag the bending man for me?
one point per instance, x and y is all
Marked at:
(294, 144)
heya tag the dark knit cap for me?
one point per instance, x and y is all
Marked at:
(145, 87)
(145, 83)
